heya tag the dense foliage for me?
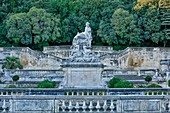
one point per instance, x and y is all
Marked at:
(168, 83)
(15, 78)
(154, 86)
(118, 23)
(46, 84)
(119, 83)
(148, 78)
(12, 62)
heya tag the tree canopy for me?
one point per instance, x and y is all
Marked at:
(38, 23)
(33, 28)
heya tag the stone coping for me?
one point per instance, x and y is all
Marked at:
(34, 70)
(82, 64)
(60, 97)
(84, 89)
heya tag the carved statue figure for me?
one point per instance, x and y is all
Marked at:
(81, 47)
(88, 33)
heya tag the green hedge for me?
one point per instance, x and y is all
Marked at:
(154, 86)
(119, 83)
(46, 84)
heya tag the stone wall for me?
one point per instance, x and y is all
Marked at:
(146, 57)
(51, 57)
(31, 59)
(102, 104)
(130, 58)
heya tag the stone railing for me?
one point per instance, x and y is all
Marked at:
(18, 50)
(86, 92)
(102, 104)
(67, 47)
(37, 75)
(119, 72)
(147, 49)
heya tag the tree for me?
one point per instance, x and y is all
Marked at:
(150, 24)
(146, 3)
(35, 28)
(105, 31)
(124, 25)
(12, 62)
(164, 4)
(148, 78)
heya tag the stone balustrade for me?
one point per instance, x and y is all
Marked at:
(101, 104)
(38, 75)
(86, 92)
(18, 50)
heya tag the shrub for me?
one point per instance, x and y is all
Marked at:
(46, 84)
(124, 84)
(148, 78)
(169, 83)
(15, 78)
(154, 86)
(119, 83)
(113, 81)
(12, 86)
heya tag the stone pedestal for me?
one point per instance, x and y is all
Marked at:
(81, 75)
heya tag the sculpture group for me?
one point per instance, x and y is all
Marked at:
(81, 47)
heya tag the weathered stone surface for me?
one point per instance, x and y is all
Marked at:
(87, 75)
(141, 105)
(34, 105)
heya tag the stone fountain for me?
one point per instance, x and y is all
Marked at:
(83, 68)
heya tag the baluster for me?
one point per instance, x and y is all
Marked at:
(82, 93)
(105, 105)
(84, 106)
(98, 93)
(92, 93)
(87, 93)
(157, 92)
(112, 106)
(152, 93)
(91, 105)
(70, 106)
(167, 93)
(77, 106)
(72, 93)
(147, 93)
(169, 105)
(4, 106)
(63, 106)
(98, 105)
(103, 93)
(162, 93)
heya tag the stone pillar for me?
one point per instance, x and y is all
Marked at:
(83, 75)
(119, 106)
(56, 106)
